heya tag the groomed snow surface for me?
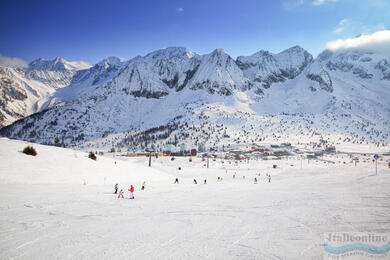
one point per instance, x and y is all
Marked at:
(60, 205)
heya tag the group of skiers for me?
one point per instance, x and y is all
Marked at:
(131, 190)
(220, 179)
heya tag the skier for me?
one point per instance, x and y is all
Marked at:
(195, 182)
(116, 189)
(131, 192)
(176, 181)
(269, 178)
(219, 179)
(143, 185)
(234, 176)
(120, 194)
(255, 180)
(205, 181)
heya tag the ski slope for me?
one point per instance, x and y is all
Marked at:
(59, 205)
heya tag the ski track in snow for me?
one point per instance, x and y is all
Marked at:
(47, 218)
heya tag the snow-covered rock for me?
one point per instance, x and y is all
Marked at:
(157, 74)
(86, 80)
(170, 89)
(24, 92)
(56, 73)
(219, 73)
(267, 68)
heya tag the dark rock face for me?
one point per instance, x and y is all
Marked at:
(212, 88)
(348, 61)
(267, 68)
(52, 78)
(10, 90)
(362, 73)
(325, 82)
(148, 94)
(384, 66)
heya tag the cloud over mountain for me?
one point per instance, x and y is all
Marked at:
(12, 62)
(379, 40)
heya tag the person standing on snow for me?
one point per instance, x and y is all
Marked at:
(121, 194)
(131, 192)
(255, 180)
(143, 185)
(205, 181)
(116, 189)
(176, 181)
(269, 178)
(195, 182)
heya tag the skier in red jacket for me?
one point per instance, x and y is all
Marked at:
(120, 194)
(131, 192)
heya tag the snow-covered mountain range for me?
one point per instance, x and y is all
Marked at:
(174, 95)
(25, 91)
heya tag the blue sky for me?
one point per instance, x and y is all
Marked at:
(93, 30)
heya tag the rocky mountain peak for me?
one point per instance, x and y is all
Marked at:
(170, 52)
(57, 64)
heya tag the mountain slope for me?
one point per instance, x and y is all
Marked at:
(24, 92)
(176, 96)
(86, 80)
(219, 73)
(56, 73)
(267, 68)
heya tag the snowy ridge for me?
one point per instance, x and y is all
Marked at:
(28, 91)
(219, 73)
(190, 98)
(56, 73)
(86, 80)
(169, 53)
(267, 68)
(156, 74)
(57, 64)
(20, 95)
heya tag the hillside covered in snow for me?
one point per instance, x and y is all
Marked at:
(176, 96)
(58, 203)
(25, 91)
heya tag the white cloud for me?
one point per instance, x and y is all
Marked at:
(12, 62)
(347, 27)
(292, 4)
(321, 2)
(179, 9)
(379, 40)
(341, 26)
